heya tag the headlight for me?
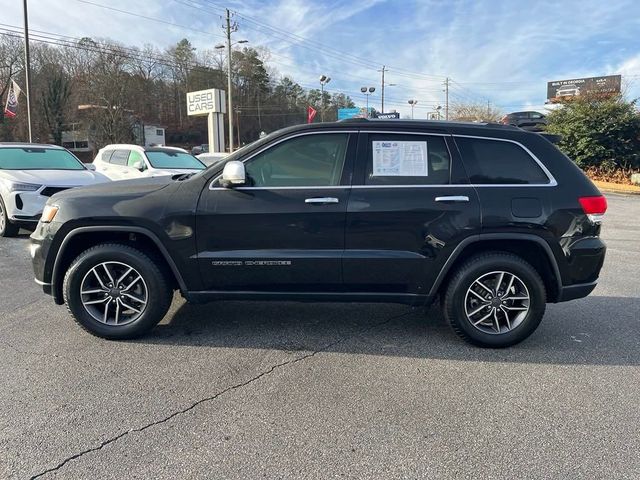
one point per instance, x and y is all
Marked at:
(49, 213)
(23, 187)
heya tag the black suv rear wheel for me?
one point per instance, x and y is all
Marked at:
(115, 291)
(495, 300)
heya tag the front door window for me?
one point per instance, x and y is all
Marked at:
(314, 160)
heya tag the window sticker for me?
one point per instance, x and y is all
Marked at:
(400, 159)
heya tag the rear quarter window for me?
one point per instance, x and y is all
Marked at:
(106, 156)
(498, 162)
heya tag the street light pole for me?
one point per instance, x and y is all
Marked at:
(323, 81)
(413, 104)
(446, 94)
(367, 91)
(229, 96)
(27, 66)
(382, 90)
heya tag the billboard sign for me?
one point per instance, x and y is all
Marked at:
(344, 113)
(562, 89)
(204, 102)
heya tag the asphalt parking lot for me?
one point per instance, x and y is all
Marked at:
(288, 390)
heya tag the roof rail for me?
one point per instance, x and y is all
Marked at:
(354, 120)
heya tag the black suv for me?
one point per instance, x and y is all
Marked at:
(492, 220)
(532, 121)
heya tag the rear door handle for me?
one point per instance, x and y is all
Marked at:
(321, 200)
(453, 198)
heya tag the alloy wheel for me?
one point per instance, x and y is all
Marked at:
(114, 293)
(497, 302)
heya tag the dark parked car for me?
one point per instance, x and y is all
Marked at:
(532, 121)
(492, 220)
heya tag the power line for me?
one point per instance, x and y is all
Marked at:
(298, 40)
(153, 19)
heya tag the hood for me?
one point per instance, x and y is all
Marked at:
(55, 178)
(121, 188)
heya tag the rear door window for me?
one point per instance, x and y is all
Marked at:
(499, 162)
(405, 159)
(119, 157)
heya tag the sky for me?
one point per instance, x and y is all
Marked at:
(501, 52)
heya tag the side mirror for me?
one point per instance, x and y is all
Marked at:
(90, 166)
(233, 174)
(138, 165)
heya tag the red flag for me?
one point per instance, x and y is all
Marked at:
(311, 114)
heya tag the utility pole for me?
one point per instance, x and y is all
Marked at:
(382, 92)
(446, 95)
(27, 66)
(230, 28)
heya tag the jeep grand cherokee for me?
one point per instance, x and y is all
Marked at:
(492, 220)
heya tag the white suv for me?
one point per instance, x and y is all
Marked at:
(120, 162)
(31, 173)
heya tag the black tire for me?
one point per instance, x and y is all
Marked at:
(159, 293)
(475, 268)
(7, 229)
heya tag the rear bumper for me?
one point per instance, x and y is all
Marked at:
(576, 291)
(585, 258)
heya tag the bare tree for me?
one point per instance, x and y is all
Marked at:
(474, 112)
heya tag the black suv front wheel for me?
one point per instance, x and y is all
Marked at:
(495, 300)
(115, 291)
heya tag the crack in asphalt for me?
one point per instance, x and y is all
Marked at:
(219, 394)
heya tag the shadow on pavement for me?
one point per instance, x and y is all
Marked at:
(595, 330)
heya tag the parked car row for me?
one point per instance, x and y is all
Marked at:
(31, 173)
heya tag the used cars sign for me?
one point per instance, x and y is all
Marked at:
(203, 102)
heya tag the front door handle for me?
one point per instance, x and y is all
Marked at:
(453, 198)
(321, 200)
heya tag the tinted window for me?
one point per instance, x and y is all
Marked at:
(536, 115)
(36, 158)
(499, 162)
(407, 160)
(306, 161)
(134, 157)
(173, 159)
(119, 157)
(106, 156)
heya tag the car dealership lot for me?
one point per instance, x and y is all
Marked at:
(289, 390)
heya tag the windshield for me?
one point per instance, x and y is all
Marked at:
(173, 159)
(38, 158)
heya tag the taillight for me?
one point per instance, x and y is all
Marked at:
(594, 207)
